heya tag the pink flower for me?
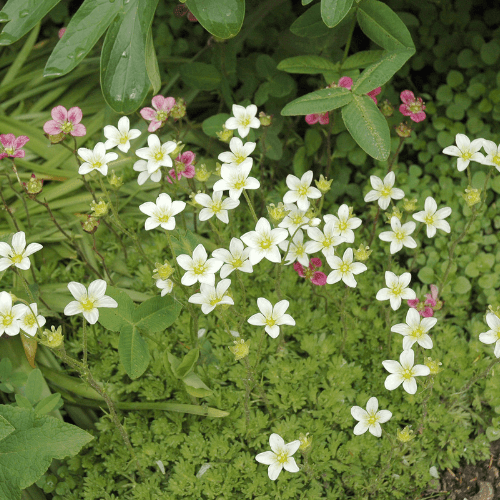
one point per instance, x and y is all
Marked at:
(347, 82)
(315, 277)
(412, 106)
(61, 32)
(11, 146)
(159, 115)
(426, 309)
(66, 122)
(323, 118)
(413, 303)
(184, 165)
(432, 297)
(373, 93)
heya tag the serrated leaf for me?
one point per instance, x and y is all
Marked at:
(156, 314)
(318, 102)
(34, 386)
(214, 124)
(195, 386)
(368, 127)
(308, 65)
(114, 318)
(133, 351)
(187, 363)
(310, 24)
(333, 11)
(200, 76)
(46, 405)
(362, 59)
(221, 18)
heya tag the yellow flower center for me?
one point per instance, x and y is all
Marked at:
(239, 158)
(123, 139)
(299, 250)
(282, 457)
(161, 115)
(245, 121)
(303, 190)
(270, 321)
(87, 304)
(29, 320)
(214, 300)
(216, 207)
(265, 242)
(237, 263)
(200, 268)
(372, 419)
(7, 319)
(418, 332)
(163, 218)
(96, 164)
(296, 219)
(466, 155)
(327, 241)
(496, 160)
(407, 373)
(66, 127)
(240, 183)
(344, 268)
(16, 258)
(429, 220)
(400, 235)
(386, 191)
(397, 290)
(158, 156)
(342, 225)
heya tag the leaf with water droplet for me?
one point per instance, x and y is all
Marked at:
(221, 18)
(3, 17)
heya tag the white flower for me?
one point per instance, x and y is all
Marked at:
(162, 212)
(493, 154)
(215, 205)
(142, 167)
(96, 159)
(301, 190)
(30, 321)
(344, 269)
(234, 258)
(165, 286)
(235, 179)
(383, 191)
(492, 335)
(120, 136)
(280, 458)
(370, 419)
(9, 315)
(271, 316)
(210, 296)
(415, 330)
(198, 267)
(296, 218)
(244, 119)
(397, 289)
(433, 218)
(466, 151)
(344, 223)
(239, 153)
(157, 154)
(264, 241)
(88, 302)
(297, 251)
(325, 240)
(404, 372)
(17, 254)
(400, 235)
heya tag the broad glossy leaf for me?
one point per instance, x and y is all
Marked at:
(201, 76)
(333, 11)
(156, 314)
(310, 65)
(3, 17)
(124, 78)
(214, 124)
(82, 33)
(362, 59)
(368, 127)
(221, 18)
(318, 102)
(23, 15)
(310, 24)
(133, 351)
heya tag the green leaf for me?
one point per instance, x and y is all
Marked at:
(156, 314)
(115, 318)
(362, 59)
(382, 25)
(124, 78)
(5, 428)
(152, 67)
(312, 140)
(46, 405)
(82, 33)
(34, 386)
(461, 285)
(184, 241)
(333, 11)
(187, 363)
(23, 15)
(310, 24)
(492, 434)
(23, 402)
(318, 102)
(368, 127)
(426, 275)
(214, 124)
(382, 71)
(3, 17)
(200, 76)
(274, 147)
(308, 65)
(221, 18)
(300, 161)
(172, 361)
(133, 351)
(196, 387)
(27, 452)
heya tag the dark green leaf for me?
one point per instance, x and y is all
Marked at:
(310, 24)
(312, 140)
(333, 11)
(214, 124)
(221, 18)
(280, 85)
(114, 318)
(46, 405)
(362, 59)
(23, 15)
(318, 102)
(187, 363)
(156, 314)
(368, 127)
(133, 351)
(124, 78)
(3, 17)
(310, 65)
(152, 67)
(300, 161)
(274, 148)
(200, 76)
(83, 31)
(34, 386)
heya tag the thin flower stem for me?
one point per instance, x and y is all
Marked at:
(396, 154)
(85, 364)
(254, 215)
(18, 195)
(102, 258)
(216, 231)
(9, 211)
(343, 318)
(261, 340)
(477, 377)
(374, 227)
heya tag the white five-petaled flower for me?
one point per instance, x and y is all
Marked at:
(271, 316)
(30, 320)
(466, 151)
(17, 254)
(198, 268)
(210, 297)
(296, 218)
(215, 205)
(344, 269)
(383, 190)
(96, 159)
(492, 335)
(370, 419)
(301, 190)
(162, 212)
(240, 153)
(415, 330)
(244, 119)
(404, 372)
(165, 286)
(297, 250)
(325, 240)
(88, 302)
(400, 235)
(397, 289)
(142, 167)
(9, 315)
(157, 154)
(264, 241)
(280, 458)
(344, 223)
(492, 154)
(433, 218)
(235, 179)
(120, 136)
(234, 258)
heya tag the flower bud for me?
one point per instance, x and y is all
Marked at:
(164, 271)
(410, 205)
(323, 185)
(362, 253)
(433, 366)
(386, 108)
(34, 186)
(179, 109)
(91, 224)
(240, 349)
(56, 139)
(305, 441)
(278, 213)
(193, 201)
(395, 213)
(15, 299)
(405, 435)
(472, 196)
(403, 129)
(116, 182)
(495, 311)
(100, 209)
(218, 166)
(225, 135)
(265, 120)
(202, 174)
(52, 338)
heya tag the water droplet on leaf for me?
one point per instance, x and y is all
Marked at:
(24, 13)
